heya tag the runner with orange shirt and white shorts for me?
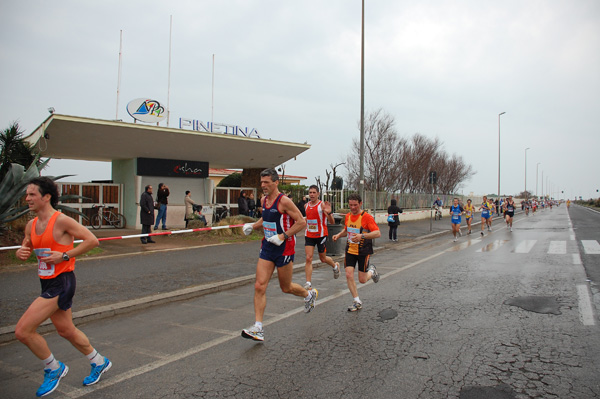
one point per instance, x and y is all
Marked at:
(361, 229)
(318, 213)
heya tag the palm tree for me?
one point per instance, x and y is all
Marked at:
(14, 149)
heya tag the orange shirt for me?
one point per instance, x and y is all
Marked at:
(46, 240)
(316, 220)
(358, 224)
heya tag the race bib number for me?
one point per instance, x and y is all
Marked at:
(270, 229)
(44, 269)
(455, 217)
(352, 231)
(313, 225)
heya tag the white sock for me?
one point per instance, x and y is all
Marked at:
(357, 299)
(258, 324)
(50, 363)
(95, 357)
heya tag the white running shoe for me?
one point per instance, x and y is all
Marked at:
(336, 271)
(307, 286)
(254, 333)
(310, 304)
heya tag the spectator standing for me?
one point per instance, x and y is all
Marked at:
(251, 204)
(161, 198)
(243, 204)
(302, 205)
(393, 220)
(147, 214)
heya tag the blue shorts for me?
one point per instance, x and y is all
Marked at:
(456, 220)
(277, 258)
(62, 286)
(485, 216)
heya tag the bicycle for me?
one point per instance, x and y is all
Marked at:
(107, 217)
(220, 213)
(438, 212)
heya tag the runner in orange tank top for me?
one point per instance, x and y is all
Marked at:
(51, 236)
(318, 213)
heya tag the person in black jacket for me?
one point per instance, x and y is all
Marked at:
(393, 219)
(251, 205)
(147, 214)
(242, 204)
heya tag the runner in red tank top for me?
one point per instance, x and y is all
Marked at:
(317, 214)
(51, 236)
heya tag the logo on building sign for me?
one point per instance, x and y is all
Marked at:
(210, 127)
(146, 110)
(171, 168)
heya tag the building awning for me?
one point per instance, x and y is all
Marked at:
(71, 137)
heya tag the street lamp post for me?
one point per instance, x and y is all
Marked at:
(501, 113)
(536, 179)
(361, 179)
(526, 194)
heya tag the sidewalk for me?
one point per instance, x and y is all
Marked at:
(130, 276)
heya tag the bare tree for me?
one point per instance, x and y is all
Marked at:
(396, 164)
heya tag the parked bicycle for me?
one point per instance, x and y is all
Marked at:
(220, 212)
(107, 217)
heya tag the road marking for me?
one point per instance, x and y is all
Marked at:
(586, 311)
(492, 246)
(591, 247)
(558, 247)
(576, 259)
(524, 246)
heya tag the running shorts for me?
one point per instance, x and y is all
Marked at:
(362, 260)
(62, 286)
(511, 214)
(278, 259)
(319, 242)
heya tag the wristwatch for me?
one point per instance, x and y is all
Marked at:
(285, 236)
(65, 256)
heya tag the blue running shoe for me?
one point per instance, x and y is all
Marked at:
(51, 379)
(97, 372)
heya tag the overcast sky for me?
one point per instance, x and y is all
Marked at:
(291, 69)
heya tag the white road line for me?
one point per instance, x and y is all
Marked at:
(524, 246)
(558, 247)
(576, 259)
(586, 312)
(591, 247)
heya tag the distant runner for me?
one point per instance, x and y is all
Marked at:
(509, 212)
(456, 210)
(469, 212)
(487, 209)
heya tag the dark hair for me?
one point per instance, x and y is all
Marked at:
(315, 187)
(270, 172)
(355, 197)
(187, 192)
(47, 186)
(160, 185)
(147, 187)
(393, 202)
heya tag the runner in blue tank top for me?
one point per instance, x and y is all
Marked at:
(456, 210)
(281, 220)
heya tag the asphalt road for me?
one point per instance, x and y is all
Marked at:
(508, 315)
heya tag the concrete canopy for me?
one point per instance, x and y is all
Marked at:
(70, 137)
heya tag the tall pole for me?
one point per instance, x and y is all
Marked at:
(362, 105)
(542, 184)
(536, 179)
(119, 73)
(169, 79)
(212, 101)
(526, 194)
(501, 113)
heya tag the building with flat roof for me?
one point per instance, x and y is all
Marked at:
(142, 154)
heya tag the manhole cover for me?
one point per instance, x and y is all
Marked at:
(502, 391)
(387, 314)
(537, 304)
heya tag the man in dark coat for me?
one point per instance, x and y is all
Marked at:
(243, 204)
(147, 214)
